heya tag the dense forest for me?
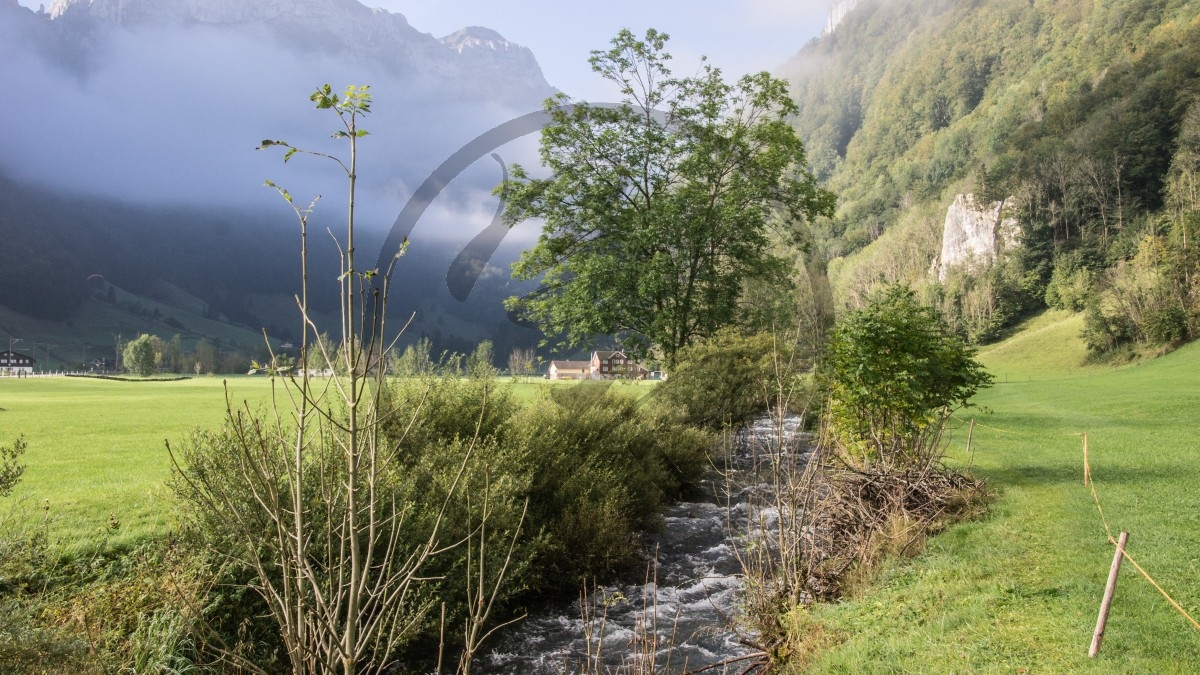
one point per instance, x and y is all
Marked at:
(1080, 116)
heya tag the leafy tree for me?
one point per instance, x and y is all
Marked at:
(479, 362)
(143, 355)
(520, 362)
(415, 361)
(894, 372)
(173, 354)
(1070, 284)
(660, 209)
(724, 381)
(205, 357)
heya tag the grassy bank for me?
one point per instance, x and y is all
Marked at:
(1021, 588)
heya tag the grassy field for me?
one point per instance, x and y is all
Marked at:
(1045, 347)
(1019, 591)
(96, 447)
(1015, 592)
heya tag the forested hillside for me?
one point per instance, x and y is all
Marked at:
(1081, 116)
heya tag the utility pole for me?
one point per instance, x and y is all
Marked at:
(12, 341)
(47, 345)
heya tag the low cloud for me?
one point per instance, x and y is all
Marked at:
(173, 116)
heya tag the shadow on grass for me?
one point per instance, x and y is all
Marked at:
(1063, 474)
(1037, 474)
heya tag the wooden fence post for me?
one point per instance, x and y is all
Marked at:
(1108, 595)
(1087, 469)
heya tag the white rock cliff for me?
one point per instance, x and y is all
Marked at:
(975, 234)
(838, 11)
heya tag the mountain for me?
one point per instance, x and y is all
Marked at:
(139, 167)
(1081, 118)
(491, 69)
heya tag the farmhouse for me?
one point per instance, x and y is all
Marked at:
(12, 363)
(603, 365)
(613, 364)
(570, 370)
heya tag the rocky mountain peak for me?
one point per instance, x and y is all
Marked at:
(476, 36)
(204, 11)
(474, 62)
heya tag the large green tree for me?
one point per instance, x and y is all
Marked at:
(660, 209)
(143, 356)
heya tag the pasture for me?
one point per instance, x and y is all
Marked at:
(97, 455)
(97, 452)
(1019, 591)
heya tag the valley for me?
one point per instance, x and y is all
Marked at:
(921, 303)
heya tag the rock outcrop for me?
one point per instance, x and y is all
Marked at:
(975, 234)
(838, 11)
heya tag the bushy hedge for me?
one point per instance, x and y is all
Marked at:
(594, 465)
(550, 494)
(723, 381)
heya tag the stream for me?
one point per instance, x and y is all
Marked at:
(682, 615)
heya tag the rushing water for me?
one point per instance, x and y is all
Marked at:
(683, 613)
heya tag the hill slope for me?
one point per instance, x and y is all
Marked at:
(1081, 116)
(141, 168)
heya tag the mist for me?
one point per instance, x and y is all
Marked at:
(173, 116)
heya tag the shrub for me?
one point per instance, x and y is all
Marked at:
(449, 409)
(594, 466)
(1144, 302)
(605, 467)
(10, 465)
(894, 371)
(723, 381)
(1103, 333)
(1166, 324)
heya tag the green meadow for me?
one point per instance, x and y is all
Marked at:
(97, 452)
(1019, 590)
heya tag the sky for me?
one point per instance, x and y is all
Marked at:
(193, 147)
(738, 37)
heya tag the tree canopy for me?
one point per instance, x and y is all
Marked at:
(143, 356)
(659, 209)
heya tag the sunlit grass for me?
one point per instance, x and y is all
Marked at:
(1045, 347)
(97, 453)
(1021, 589)
(97, 448)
